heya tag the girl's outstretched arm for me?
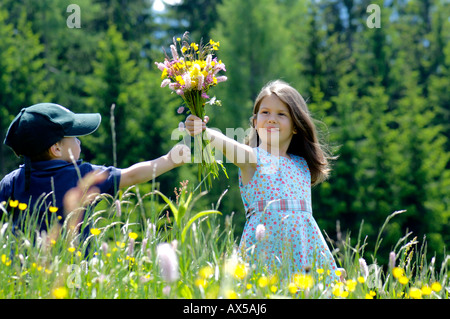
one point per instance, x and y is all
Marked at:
(239, 154)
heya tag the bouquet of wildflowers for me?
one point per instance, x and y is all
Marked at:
(190, 75)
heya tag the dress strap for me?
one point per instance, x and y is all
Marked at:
(278, 204)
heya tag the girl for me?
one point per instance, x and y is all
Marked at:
(278, 163)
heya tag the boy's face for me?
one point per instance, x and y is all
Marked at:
(70, 143)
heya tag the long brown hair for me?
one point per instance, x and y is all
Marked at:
(306, 142)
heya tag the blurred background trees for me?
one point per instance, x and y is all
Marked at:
(380, 95)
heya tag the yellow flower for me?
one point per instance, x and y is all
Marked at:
(249, 286)
(60, 293)
(6, 260)
(53, 209)
(415, 293)
(95, 231)
(320, 271)
(361, 280)
(71, 249)
(403, 280)
(133, 235)
(178, 39)
(397, 272)
(350, 285)
(201, 282)
(231, 294)
(273, 289)
(195, 46)
(240, 271)
(426, 290)
(13, 203)
(180, 80)
(164, 74)
(435, 286)
(23, 206)
(206, 272)
(263, 281)
(292, 288)
(368, 296)
(303, 281)
(120, 244)
(338, 273)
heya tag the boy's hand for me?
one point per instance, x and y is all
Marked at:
(194, 125)
(180, 154)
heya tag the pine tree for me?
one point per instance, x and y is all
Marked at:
(22, 77)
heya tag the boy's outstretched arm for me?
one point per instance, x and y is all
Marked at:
(239, 154)
(146, 171)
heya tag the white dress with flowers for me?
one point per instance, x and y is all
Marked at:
(279, 197)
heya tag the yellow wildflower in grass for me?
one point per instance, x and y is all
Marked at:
(368, 296)
(436, 287)
(249, 286)
(120, 244)
(206, 272)
(133, 235)
(350, 285)
(5, 260)
(303, 281)
(292, 288)
(71, 249)
(201, 282)
(397, 272)
(95, 231)
(320, 271)
(231, 294)
(338, 290)
(13, 203)
(53, 209)
(23, 206)
(60, 293)
(338, 273)
(426, 290)
(415, 293)
(240, 271)
(273, 289)
(403, 280)
(263, 281)
(361, 279)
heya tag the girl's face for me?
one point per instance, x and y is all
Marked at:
(274, 123)
(73, 144)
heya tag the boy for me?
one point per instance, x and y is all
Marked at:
(45, 134)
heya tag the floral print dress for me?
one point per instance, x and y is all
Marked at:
(279, 197)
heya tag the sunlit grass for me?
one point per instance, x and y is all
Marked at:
(150, 246)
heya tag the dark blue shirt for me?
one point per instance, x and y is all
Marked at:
(49, 182)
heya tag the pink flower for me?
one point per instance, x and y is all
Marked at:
(180, 110)
(165, 83)
(174, 52)
(168, 262)
(222, 78)
(161, 66)
(363, 267)
(260, 232)
(392, 260)
(201, 78)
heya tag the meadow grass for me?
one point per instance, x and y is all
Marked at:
(151, 246)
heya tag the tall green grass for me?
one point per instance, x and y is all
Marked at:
(153, 245)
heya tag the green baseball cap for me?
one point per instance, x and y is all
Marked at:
(36, 128)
